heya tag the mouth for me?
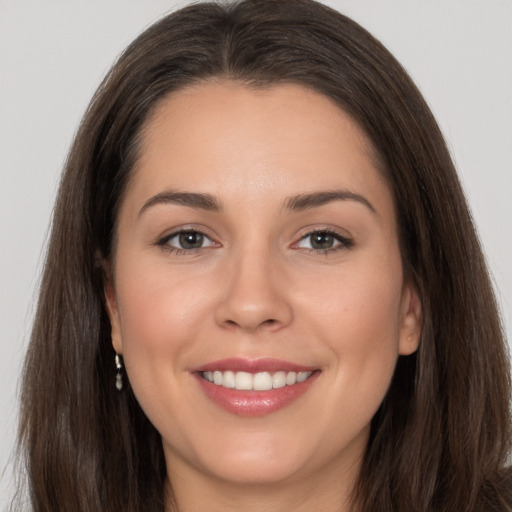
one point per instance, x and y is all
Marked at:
(254, 387)
(261, 381)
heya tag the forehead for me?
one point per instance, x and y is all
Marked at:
(225, 138)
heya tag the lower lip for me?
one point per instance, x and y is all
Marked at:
(254, 403)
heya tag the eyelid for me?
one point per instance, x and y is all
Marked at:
(162, 241)
(345, 241)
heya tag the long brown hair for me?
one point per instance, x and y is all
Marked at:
(441, 438)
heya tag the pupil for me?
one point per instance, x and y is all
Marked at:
(322, 241)
(191, 240)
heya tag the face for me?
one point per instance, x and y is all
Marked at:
(257, 248)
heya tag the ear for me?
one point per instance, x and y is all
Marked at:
(112, 310)
(411, 321)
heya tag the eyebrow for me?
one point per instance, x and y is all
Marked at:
(191, 199)
(295, 203)
(316, 199)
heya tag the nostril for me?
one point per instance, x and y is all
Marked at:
(271, 322)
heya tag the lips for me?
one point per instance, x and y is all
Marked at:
(254, 387)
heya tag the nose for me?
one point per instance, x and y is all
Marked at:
(254, 295)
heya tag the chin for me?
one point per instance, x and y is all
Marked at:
(257, 472)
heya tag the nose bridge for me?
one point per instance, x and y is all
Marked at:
(255, 293)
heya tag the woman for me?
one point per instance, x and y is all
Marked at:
(263, 288)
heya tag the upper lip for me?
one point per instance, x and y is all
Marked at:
(265, 364)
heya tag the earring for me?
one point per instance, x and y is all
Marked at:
(119, 377)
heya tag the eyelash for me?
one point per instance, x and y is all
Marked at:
(164, 241)
(344, 242)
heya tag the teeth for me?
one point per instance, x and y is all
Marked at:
(291, 378)
(228, 380)
(243, 381)
(262, 381)
(279, 380)
(302, 376)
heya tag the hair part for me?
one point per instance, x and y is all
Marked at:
(439, 441)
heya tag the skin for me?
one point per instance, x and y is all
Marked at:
(258, 287)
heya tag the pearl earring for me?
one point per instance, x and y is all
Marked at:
(119, 377)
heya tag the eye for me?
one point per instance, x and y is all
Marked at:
(323, 241)
(186, 240)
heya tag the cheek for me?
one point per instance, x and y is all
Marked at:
(159, 315)
(359, 319)
(155, 301)
(360, 306)
(159, 325)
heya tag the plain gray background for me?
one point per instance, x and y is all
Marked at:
(54, 53)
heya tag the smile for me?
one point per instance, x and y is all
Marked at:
(254, 387)
(261, 381)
